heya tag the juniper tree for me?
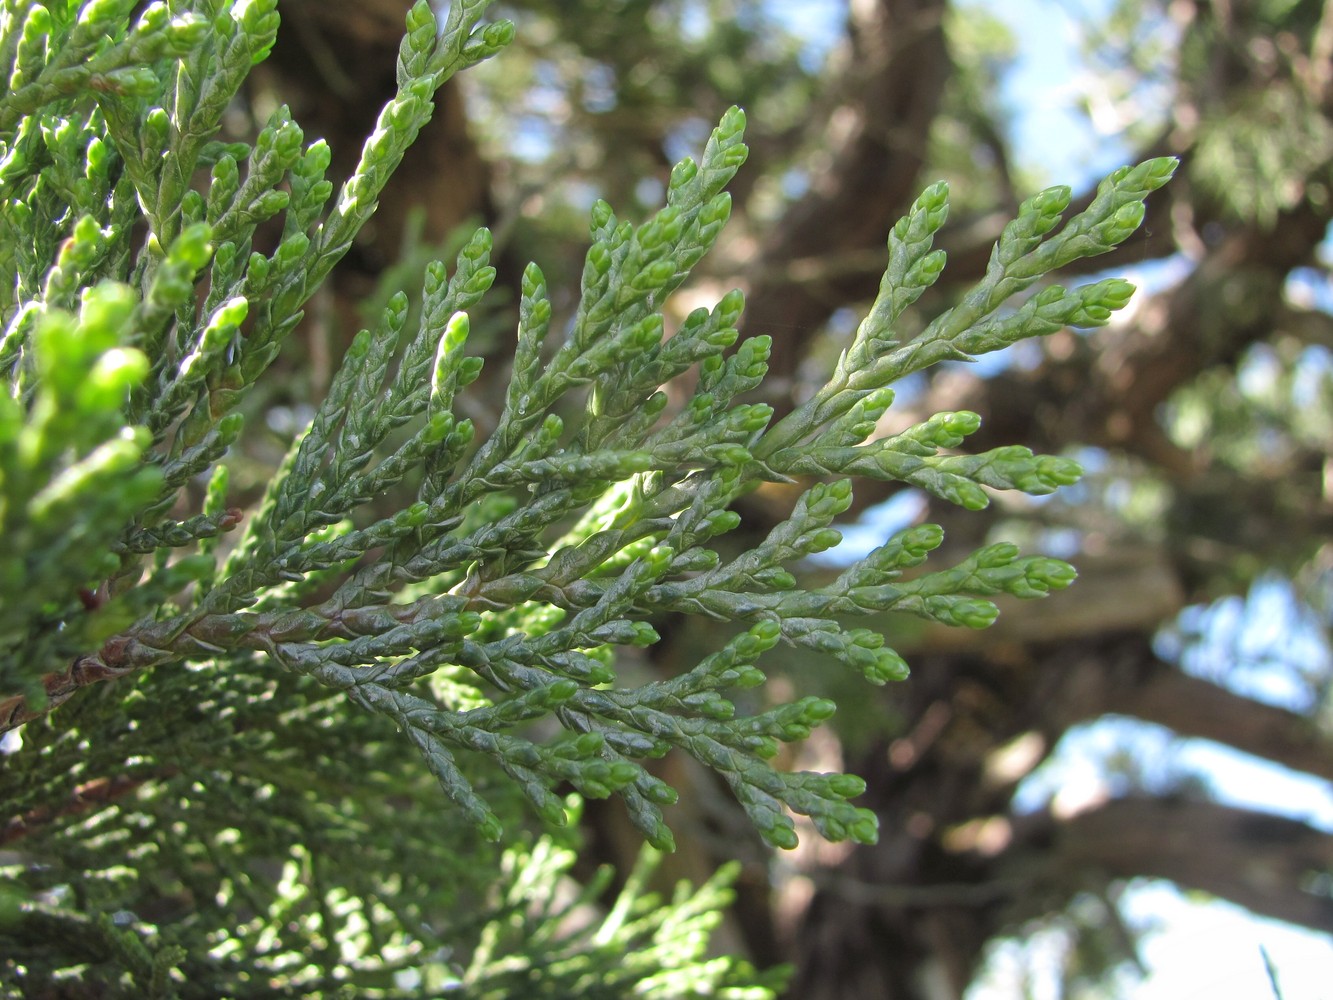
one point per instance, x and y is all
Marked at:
(299, 747)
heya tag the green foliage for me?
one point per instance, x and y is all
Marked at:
(236, 809)
(642, 945)
(1254, 158)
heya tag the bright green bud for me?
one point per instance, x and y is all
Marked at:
(817, 709)
(258, 272)
(156, 128)
(1156, 172)
(927, 269)
(927, 214)
(682, 173)
(287, 143)
(695, 561)
(104, 314)
(104, 14)
(490, 828)
(1050, 574)
(623, 773)
(592, 788)
(600, 258)
(480, 280)
(1055, 471)
(959, 425)
(490, 40)
(659, 792)
(552, 810)
(933, 203)
(455, 333)
(226, 180)
(781, 836)
(965, 494)
(733, 455)
(831, 829)
(1126, 219)
(775, 578)
(712, 706)
(269, 204)
(316, 159)
(970, 613)
(224, 322)
(830, 499)
(922, 538)
(194, 208)
(731, 127)
(184, 33)
(601, 218)
(662, 840)
(642, 634)
(422, 17)
(846, 786)
(664, 228)
(885, 666)
(292, 250)
(438, 427)
(256, 17)
(229, 428)
(750, 417)
(822, 540)
(588, 744)
(718, 209)
(1047, 205)
(133, 81)
(644, 335)
(999, 554)
(1113, 293)
(113, 375)
(98, 158)
(749, 677)
(865, 829)
(732, 158)
(655, 275)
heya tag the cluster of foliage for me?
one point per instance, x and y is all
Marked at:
(237, 809)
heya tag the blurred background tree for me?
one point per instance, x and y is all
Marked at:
(1205, 417)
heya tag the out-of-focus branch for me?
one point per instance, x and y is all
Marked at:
(1256, 860)
(1125, 677)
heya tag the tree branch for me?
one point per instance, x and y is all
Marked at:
(1256, 860)
(1198, 708)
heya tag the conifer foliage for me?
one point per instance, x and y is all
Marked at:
(284, 750)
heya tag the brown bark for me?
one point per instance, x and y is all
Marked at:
(1260, 861)
(1193, 707)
